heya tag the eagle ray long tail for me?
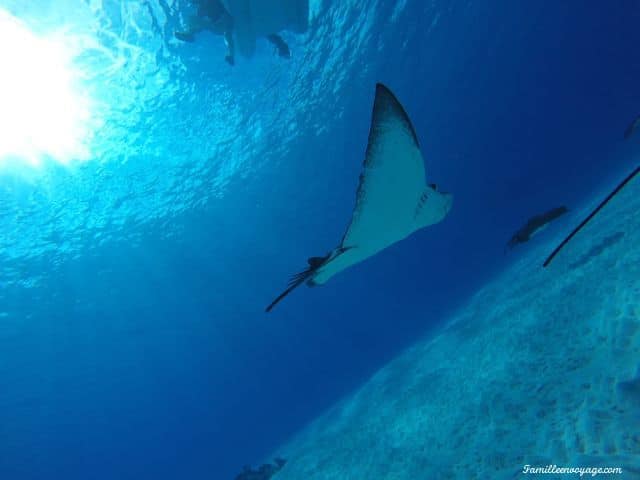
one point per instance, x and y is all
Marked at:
(591, 215)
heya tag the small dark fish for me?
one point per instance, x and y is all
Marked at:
(534, 225)
(632, 128)
(591, 215)
(264, 472)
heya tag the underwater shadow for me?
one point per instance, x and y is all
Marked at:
(596, 250)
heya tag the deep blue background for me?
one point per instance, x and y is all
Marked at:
(168, 368)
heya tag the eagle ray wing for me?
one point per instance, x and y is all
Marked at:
(393, 177)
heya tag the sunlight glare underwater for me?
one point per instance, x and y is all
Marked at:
(43, 112)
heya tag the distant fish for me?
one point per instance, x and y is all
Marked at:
(393, 199)
(265, 472)
(632, 128)
(534, 225)
(591, 215)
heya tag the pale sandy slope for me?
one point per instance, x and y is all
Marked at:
(542, 366)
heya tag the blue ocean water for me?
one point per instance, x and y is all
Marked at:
(133, 342)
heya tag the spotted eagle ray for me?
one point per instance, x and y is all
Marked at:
(393, 199)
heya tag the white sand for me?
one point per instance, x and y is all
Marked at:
(542, 366)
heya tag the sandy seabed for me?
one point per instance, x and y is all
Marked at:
(541, 367)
